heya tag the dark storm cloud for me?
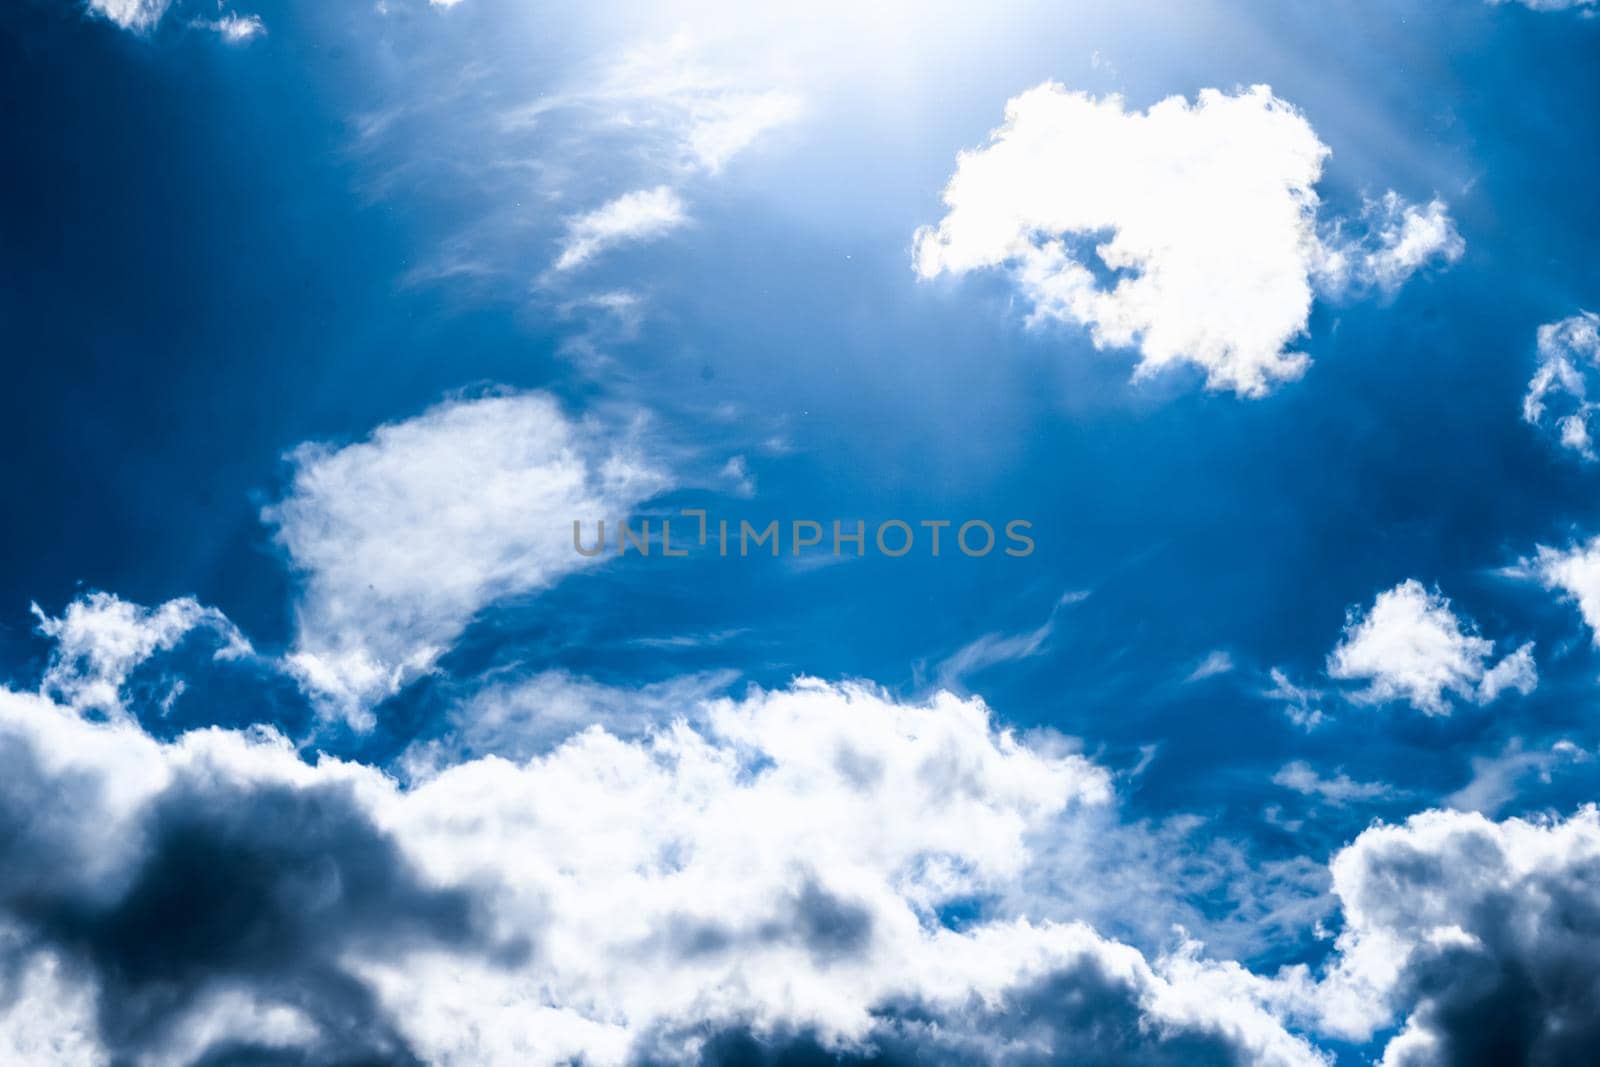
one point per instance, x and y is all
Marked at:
(1497, 929)
(1529, 993)
(264, 890)
(1080, 1015)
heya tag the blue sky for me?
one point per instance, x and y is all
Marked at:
(325, 321)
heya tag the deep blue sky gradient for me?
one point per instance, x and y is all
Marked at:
(201, 266)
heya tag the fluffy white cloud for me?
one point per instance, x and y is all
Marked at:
(1517, 671)
(1569, 360)
(641, 215)
(137, 15)
(1204, 216)
(1410, 645)
(402, 538)
(1574, 571)
(1484, 937)
(774, 875)
(101, 638)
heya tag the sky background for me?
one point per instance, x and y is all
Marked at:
(213, 251)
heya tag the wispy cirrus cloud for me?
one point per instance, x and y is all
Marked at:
(612, 148)
(992, 649)
(642, 215)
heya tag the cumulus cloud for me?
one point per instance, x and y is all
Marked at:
(694, 119)
(772, 878)
(213, 886)
(520, 719)
(136, 15)
(1410, 645)
(642, 215)
(612, 148)
(1187, 231)
(758, 877)
(1574, 572)
(402, 538)
(1483, 937)
(1558, 393)
(101, 638)
(1394, 240)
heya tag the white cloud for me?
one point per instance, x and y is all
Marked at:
(235, 29)
(1411, 646)
(992, 649)
(402, 538)
(1517, 671)
(777, 870)
(136, 15)
(1400, 239)
(701, 117)
(642, 215)
(1300, 705)
(101, 638)
(1479, 935)
(787, 884)
(141, 16)
(613, 148)
(1569, 361)
(1340, 789)
(1575, 572)
(1204, 212)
